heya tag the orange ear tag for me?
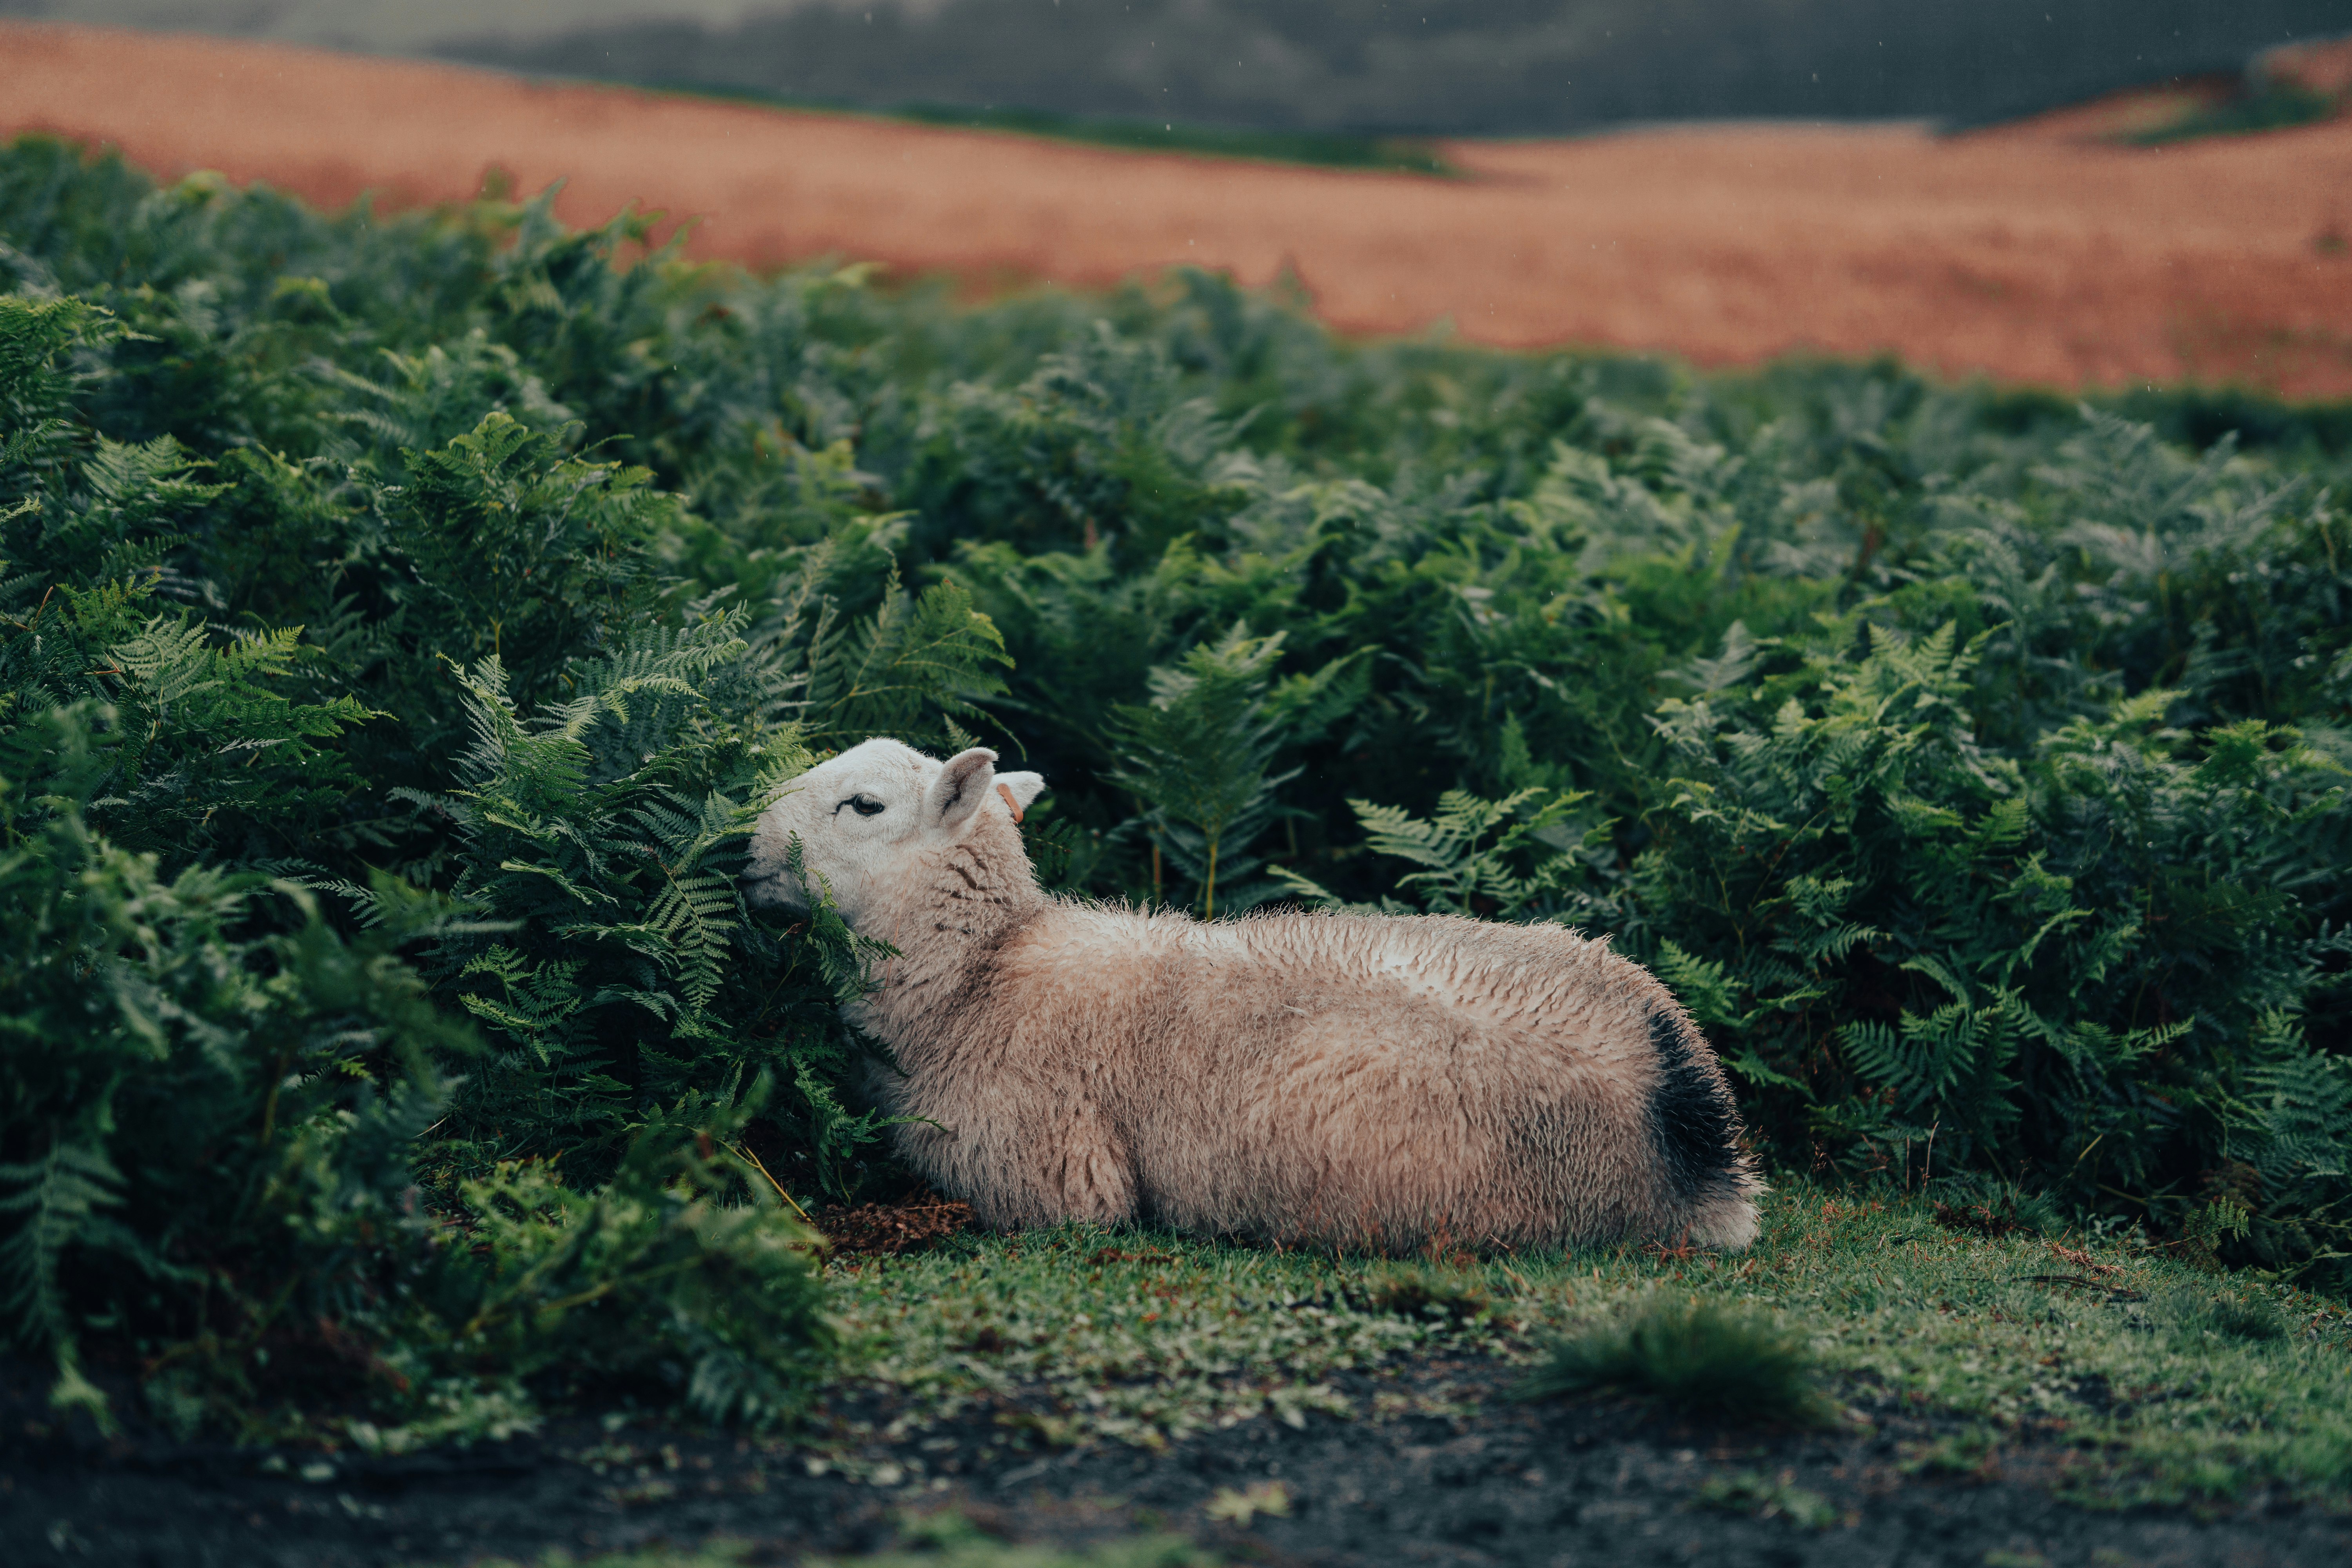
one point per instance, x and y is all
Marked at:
(1011, 805)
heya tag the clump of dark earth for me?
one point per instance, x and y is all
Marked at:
(1461, 1475)
(892, 1229)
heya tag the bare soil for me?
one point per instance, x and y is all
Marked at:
(2041, 253)
(1472, 1479)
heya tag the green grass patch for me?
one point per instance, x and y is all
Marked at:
(1767, 1496)
(2151, 1379)
(1701, 1357)
(1109, 1340)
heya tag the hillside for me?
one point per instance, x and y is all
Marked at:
(1439, 66)
(2035, 253)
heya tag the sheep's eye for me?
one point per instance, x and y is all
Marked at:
(863, 805)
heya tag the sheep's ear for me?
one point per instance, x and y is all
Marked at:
(1020, 790)
(965, 782)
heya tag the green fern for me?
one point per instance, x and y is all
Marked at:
(47, 1206)
(1200, 757)
(908, 670)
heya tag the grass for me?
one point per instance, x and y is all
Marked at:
(1698, 1356)
(2150, 1379)
(1320, 149)
(1137, 1339)
(1767, 1497)
(2158, 1381)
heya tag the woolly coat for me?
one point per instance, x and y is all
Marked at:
(1345, 1079)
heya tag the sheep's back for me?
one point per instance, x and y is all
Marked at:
(1369, 1077)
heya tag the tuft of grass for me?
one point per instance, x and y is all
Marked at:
(1983, 1206)
(1237, 1506)
(2247, 1317)
(1730, 1362)
(1972, 1452)
(1412, 1290)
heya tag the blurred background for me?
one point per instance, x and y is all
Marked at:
(2075, 193)
(1512, 67)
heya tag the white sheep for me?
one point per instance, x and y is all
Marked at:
(1335, 1078)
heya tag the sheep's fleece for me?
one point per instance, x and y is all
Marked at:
(1382, 1082)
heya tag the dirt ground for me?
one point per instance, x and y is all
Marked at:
(2033, 253)
(1466, 1479)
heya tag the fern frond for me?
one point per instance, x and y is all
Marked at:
(49, 1206)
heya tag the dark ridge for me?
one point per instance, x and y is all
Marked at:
(1691, 1117)
(1369, 68)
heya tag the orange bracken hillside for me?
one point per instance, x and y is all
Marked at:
(2033, 253)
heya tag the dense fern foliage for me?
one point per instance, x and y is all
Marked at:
(402, 621)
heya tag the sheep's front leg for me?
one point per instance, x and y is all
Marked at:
(1052, 1158)
(1088, 1168)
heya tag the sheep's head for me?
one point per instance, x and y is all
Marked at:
(868, 819)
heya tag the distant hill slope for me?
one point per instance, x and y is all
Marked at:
(1435, 67)
(2034, 252)
(1444, 66)
(380, 27)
